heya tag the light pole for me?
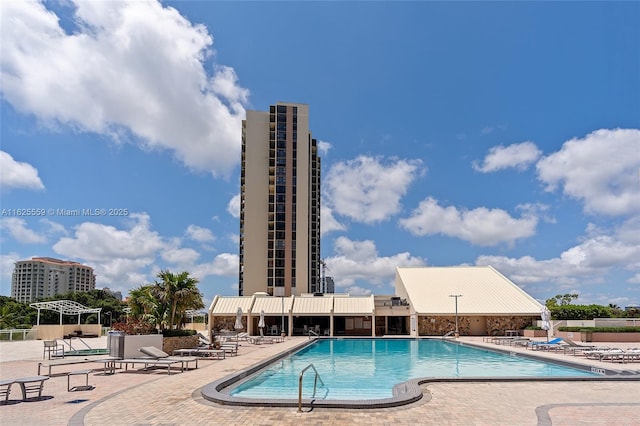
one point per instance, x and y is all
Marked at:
(110, 318)
(456, 296)
(282, 328)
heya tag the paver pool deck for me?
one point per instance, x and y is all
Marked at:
(154, 398)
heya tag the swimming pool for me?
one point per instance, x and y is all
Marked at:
(357, 369)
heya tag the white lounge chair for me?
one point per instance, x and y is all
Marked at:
(157, 357)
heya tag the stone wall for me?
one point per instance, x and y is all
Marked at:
(227, 323)
(496, 325)
(439, 326)
(169, 344)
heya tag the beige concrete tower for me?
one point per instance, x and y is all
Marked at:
(280, 203)
(43, 277)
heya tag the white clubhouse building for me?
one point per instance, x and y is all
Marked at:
(429, 301)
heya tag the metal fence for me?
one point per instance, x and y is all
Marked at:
(17, 334)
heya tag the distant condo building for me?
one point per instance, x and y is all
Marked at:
(43, 277)
(280, 203)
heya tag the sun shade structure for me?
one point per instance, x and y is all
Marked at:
(486, 291)
(65, 307)
(465, 300)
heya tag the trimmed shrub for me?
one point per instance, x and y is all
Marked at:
(602, 329)
(177, 333)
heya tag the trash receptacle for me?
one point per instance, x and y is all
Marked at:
(586, 335)
(115, 344)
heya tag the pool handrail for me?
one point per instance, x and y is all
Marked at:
(315, 382)
(448, 334)
(311, 332)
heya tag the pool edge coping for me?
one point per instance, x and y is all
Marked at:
(404, 393)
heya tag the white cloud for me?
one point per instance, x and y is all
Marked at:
(128, 257)
(323, 148)
(7, 263)
(359, 261)
(53, 228)
(328, 222)
(233, 207)
(119, 256)
(16, 174)
(601, 170)
(180, 256)
(480, 226)
(17, 228)
(199, 234)
(366, 189)
(93, 241)
(518, 156)
(587, 262)
(233, 238)
(224, 264)
(131, 70)
(355, 290)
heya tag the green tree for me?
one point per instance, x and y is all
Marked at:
(7, 317)
(180, 292)
(560, 300)
(14, 314)
(147, 303)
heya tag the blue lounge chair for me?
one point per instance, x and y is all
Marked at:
(553, 343)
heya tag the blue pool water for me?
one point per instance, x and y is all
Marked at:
(369, 368)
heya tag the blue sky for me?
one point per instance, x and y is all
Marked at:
(452, 133)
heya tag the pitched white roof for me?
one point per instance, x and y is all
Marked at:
(484, 290)
(271, 305)
(312, 305)
(228, 305)
(353, 305)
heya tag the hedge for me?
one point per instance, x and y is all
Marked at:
(177, 333)
(602, 329)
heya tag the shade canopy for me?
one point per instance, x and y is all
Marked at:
(65, 307)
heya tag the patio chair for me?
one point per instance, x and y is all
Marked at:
(52, 348)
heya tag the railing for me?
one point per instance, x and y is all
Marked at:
(71, 348)
(449, 333)
(17, 334)
(315, 382)
(313, 333)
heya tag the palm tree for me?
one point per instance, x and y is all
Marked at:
(179, 292)
(8, 318)
(147, 302)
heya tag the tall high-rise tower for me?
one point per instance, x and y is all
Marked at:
(280, 203)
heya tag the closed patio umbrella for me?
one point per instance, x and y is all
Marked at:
(261, 322)
(239, 325)
(545, 314)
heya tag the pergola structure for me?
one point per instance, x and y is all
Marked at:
(65, 307)
(192, 313)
